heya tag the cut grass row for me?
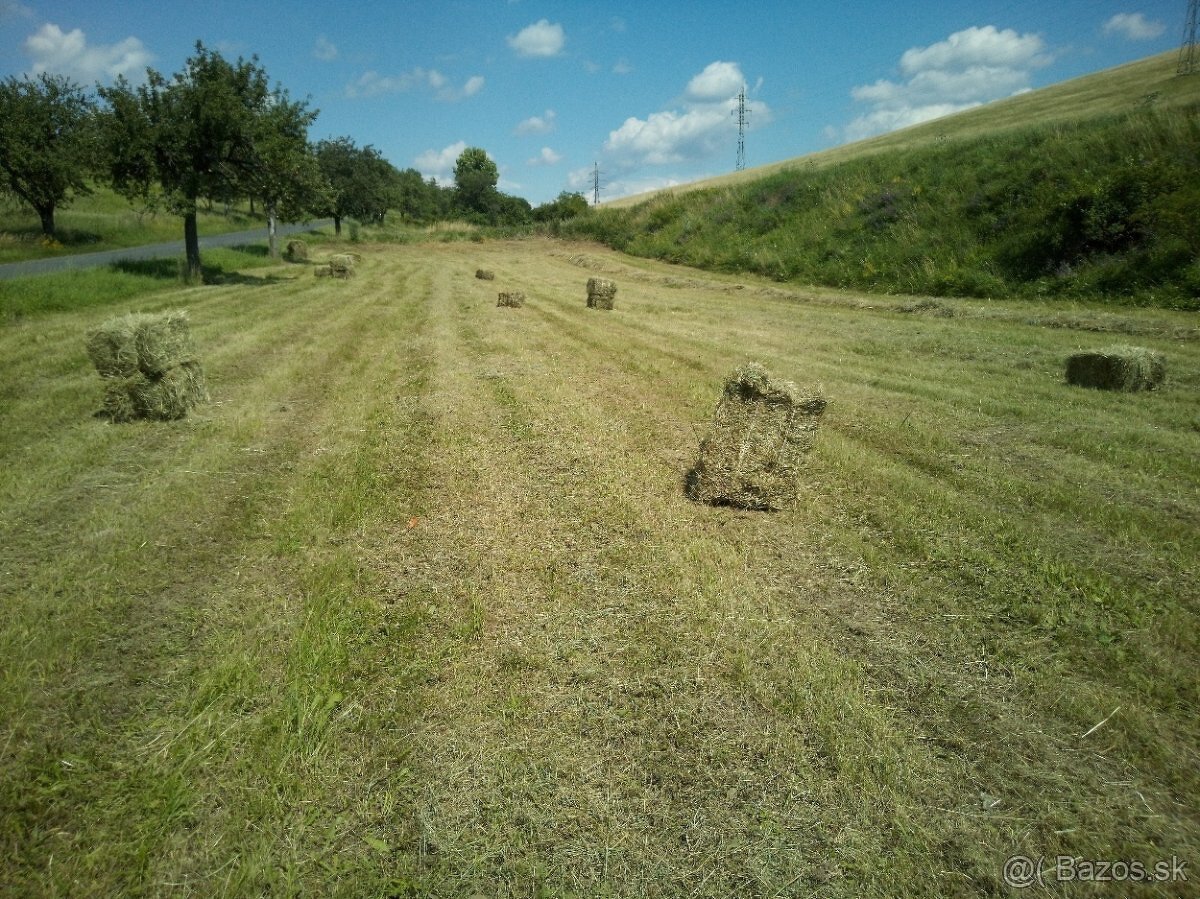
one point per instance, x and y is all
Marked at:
(418, 607)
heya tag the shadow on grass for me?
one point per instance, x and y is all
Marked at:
(173, 270)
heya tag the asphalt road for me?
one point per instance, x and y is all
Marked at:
(150, 251)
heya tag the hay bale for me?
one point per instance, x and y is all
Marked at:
(753, 454)
(1128, 368)
(112, 347)
(601, 293)
(151, 344)
(148, 366)
(484, 274)
(342, 265)
(297, 251)
(166, 398)
(514, 298)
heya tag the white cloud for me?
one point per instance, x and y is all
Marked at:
(372, 84)
(325, 50)
(68, 53)
(538, 124)
(970, 67)
(700, 129)
(718, 81)
(546, 157)
(622, 67)
(1134, 27)
(539, 39)
(440, 163)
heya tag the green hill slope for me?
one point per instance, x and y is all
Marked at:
(1086, 189)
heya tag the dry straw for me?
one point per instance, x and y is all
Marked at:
(148, 364)
(753, 455)
(484, 274)
(600, 293)
(1128, 368)
(514, 298)
(297, 251)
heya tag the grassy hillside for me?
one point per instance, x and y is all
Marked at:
(417, 605)
(104, 220)
(985, 204)
(1147, 83)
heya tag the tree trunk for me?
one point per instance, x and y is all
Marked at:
(191, 242)
(46, 214)
(337, 225)
(252, 205)
(272, 241)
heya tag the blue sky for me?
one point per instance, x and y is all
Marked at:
(645, 89)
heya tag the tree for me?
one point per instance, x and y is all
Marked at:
(475, 178)
(567, 205)
(47, 149)
(192, 136)
(362, 182)
(283, 170)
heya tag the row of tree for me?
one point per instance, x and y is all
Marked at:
(217, 130)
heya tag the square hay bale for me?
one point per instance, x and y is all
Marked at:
(484, 274)
(1128, 368)
(166, 398)
(150, 344)
(112, 347)
(514, 298)
(600, 293)
(753, 454)
(297, 251)
(342, 265)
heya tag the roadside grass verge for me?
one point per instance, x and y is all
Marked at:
(417, 606)
(119, 282)
(105, 221)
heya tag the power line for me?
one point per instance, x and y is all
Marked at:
(596, 184)
(1187, 50)
(743, 119)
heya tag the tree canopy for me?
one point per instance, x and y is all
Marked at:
(196, 134)
(47, 147)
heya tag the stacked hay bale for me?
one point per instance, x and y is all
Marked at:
(340, 265)
(1128, 368)
(149, 367)
(762, 429)
(513, 298)
(600, 293)
(484, 274)
(297, 251)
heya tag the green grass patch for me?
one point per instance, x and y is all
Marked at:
(123, 281)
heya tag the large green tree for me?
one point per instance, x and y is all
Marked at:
(190, 136)
(46, 142)
(362, 182)
(283, 170)
(475, 179)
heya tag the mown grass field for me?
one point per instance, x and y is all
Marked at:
(417, 607)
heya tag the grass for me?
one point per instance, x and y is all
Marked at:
(105, 221)
(417, 606)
